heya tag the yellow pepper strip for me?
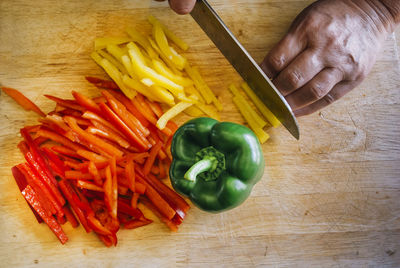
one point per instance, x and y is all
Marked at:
(146, 72)
(113, 61)
(142, 41)
(208, 110)
(153, 93)
(179, 42)
(139, 54)
(200, 87)
(113, 72)
(260, 133)
(147, 81)
(172, 112)
(128, 66)
(165, 49)
(243, 102)
(116, 51)
(164, 70)
(214, 99)
(192, 91)
(261, 106)
(100, 43)
(193, 111)
(165, 59)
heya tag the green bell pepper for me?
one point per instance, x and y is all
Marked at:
(215, 164)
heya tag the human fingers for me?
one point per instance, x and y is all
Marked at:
(336, 93)
(299, 72)
(282, 54)
(316, 89)
(182, 6)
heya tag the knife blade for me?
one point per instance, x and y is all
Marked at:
(244, 64)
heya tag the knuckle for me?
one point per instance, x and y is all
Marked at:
(317, 90)
(329, 98)
(276, 61)
(294, 78)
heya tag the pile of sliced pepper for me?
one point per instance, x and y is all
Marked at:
(92, 160)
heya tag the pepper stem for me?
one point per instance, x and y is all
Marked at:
(201, 166)
(210, 163)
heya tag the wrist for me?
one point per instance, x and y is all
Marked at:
(387, 12)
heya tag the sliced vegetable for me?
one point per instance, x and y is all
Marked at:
(22, 100)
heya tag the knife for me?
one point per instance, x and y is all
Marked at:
(244, 64)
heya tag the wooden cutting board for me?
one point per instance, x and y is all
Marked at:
(330, 199)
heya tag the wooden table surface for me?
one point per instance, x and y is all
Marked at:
(331, 199)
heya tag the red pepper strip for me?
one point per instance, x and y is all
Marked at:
(91, 156)
(55, 162)
(75, 203)
(88, 185)
(134, 200)
(98, 82)
(177, 220)
(162, 168)
(31, 197)
(132, 224)
(114, 193)
(23, 147)
(60, 139)
(103, 216)
(56, 196)
(72, 164)
(39, 157)
(70, 217)
(22, 183)
(125, 115)
(109, 240)
(130, 174)
(152, 157)
(39, 187)
(155, 107)
(109, 135)
(155, 170)
(64, 151)
(122, 190)
(95, 173)
(66, 103)
(40, 140)
(131, 108)
(93, 140)
(61, 220)
(22, 100)
(109, 192)
(174, 200)
(162, 205)
(126, 209)
(172, 226)
(86, 102)
(35, 172)
(97, 226)
(116, 120)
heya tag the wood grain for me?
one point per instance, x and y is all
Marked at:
(331, 199)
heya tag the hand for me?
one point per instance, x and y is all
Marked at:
(182, 6)
(329, 49)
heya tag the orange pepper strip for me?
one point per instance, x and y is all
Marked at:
(98, 82)
(132, 224)
(88, 185)
(163, 207)
(58, 138)
(92, 139)
(22, 100)
(77, 175)
(152, 157)
(94, 117)
(91, 156)
(134, 200)
(172, 226)
(132, 137)
(130, 174)
(95, 173)
(66, 103)
(115, 135)
(86, 102)
(130, 121)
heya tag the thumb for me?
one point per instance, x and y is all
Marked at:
(182, 6)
